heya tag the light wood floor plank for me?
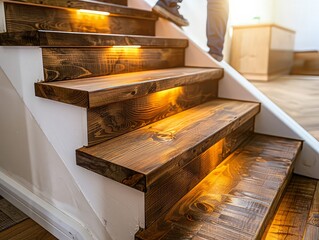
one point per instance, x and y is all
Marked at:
(298, 96)
(26, 230)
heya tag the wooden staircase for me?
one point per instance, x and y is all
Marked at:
(154, 124)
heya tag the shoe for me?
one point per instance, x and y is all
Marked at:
(217, 57)
(169, 10)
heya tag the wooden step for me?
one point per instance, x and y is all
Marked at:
(138, 158)
(297, 211)
(72, 2)
(99, 91)
(115, 119)
(158, 156)
(113, 9)
(69, 55)
(74, 63)
(22, 17)
(237, 199)
(46, 38)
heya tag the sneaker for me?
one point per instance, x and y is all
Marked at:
(169, 10)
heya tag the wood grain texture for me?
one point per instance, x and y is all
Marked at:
(118, 9)
(73, 63)
(313, 218)
(261, 52)
(22, 17)
(118, 118)
(167, 144)
(298, 97)
(173, 185)
(290, 219)
(118, 2)
(26, 230)
(99, 91)
(45, 38)
(234, 200)
(51, 2)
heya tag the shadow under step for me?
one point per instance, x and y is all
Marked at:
(47, 38)
(237, 199)
(99, 91)
(68, 16)
(70, 3)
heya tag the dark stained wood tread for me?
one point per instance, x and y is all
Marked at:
(139, 158)
(113, 9)
(46, 38)
(22, 17)
(117, 2)
(236, 200)
(290, 220)
(99, 91)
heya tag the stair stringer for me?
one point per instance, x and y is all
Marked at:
(110, 206)
(271, 120)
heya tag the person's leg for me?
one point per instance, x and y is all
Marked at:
(169, 9)
(217, 17)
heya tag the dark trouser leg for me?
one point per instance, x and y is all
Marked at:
(217, 17)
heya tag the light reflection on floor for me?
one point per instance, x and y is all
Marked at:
(298, 96)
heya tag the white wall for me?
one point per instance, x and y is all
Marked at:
(301, 16)
(28, 158)
(116, 206)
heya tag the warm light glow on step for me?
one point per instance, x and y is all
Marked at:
(128, 46)
(93, 12)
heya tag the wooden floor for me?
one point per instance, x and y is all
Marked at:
(298, 96)
(26, 230)
(15, 225)
(297, 216)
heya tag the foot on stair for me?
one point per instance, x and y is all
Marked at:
(169, 9)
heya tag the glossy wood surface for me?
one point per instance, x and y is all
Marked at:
(25, 17)
(235, 200)
(298, 96)
(99, 91)
(291, 217)
(46, 38)
(118, 118)
(165, 145)
(114, 10)
(73, 63)
(173, 185)
(313, 217)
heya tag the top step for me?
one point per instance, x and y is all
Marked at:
(72, 3)
(78, 16)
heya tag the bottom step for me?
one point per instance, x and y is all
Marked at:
(297, 215)
(237, 199)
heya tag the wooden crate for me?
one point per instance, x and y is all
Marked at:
(262, 51)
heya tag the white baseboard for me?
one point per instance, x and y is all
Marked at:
(52, 219)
